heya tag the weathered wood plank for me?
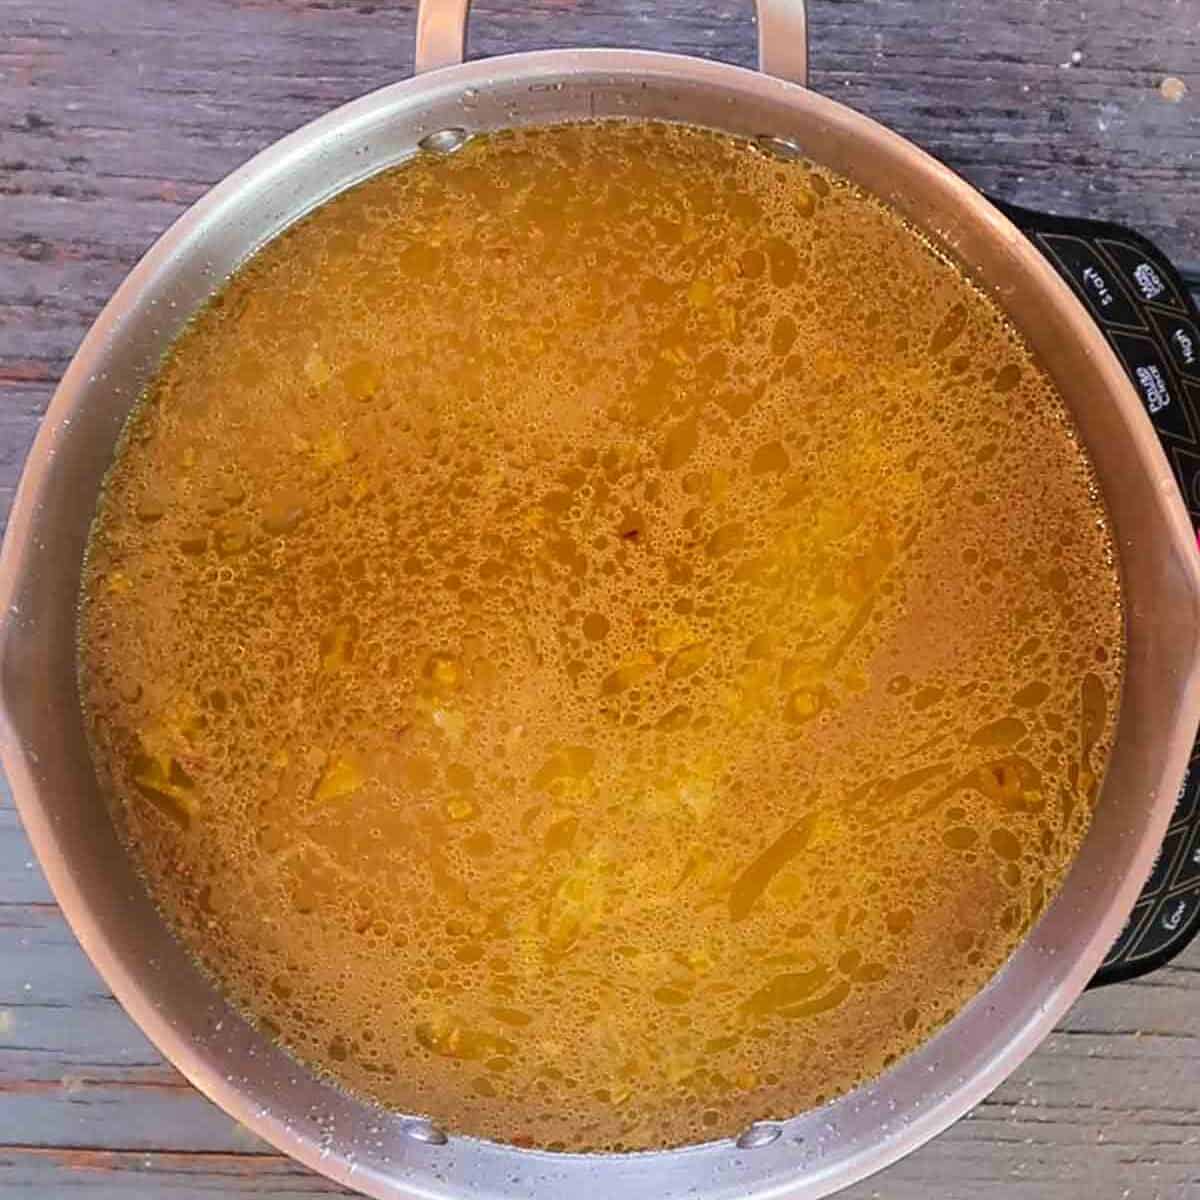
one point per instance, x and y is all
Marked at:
(157, 1175)
(20, 881)
(118, 1175)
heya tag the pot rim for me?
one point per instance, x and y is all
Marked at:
(1059, 982)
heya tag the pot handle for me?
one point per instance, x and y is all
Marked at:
(782, 37)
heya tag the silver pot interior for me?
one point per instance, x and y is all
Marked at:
(388, 1155)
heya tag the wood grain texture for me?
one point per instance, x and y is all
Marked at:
(114, 117)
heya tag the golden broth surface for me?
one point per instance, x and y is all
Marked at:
(601, 638)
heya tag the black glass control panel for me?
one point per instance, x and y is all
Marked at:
(1148, 315)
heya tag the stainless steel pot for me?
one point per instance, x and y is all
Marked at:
(42, 738)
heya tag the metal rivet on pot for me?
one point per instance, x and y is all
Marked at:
(761, 1133)
(445, 141)
(423, 1131)
(778, 147)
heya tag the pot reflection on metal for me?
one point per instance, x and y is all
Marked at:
(761, 1133)
(778, 147)
(445, 141)
(423, 1131)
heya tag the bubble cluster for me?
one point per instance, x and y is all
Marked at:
(602, 638)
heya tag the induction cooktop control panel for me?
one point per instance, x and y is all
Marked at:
(1149, 317)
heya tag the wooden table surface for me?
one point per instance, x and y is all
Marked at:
(115, 116)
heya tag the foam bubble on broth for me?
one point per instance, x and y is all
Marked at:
(602, 638)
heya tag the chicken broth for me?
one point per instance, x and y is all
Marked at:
(601, 638)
